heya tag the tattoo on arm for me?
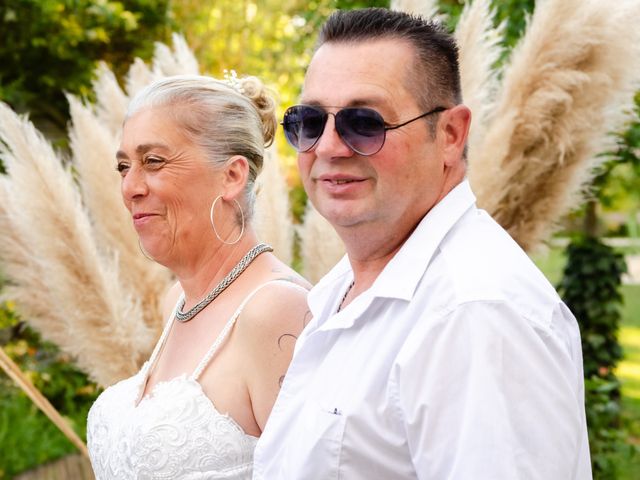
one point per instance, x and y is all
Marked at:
(305, 320)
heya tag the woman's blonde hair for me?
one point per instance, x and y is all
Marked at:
(225, 117)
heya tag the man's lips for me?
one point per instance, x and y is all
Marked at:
(339, 179)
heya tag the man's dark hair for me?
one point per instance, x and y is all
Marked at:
(435, 77)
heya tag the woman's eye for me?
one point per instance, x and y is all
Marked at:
(122, 167)
(153, 161)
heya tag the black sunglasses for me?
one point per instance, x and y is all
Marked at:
(362, 129)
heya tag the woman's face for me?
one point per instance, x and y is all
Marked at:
(167, 184)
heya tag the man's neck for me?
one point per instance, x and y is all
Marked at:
(370, 250)
(371, 247)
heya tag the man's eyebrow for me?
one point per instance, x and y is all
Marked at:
(372, 102)
(140, 149)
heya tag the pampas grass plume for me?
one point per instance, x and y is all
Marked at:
(320, 246)
(425, 8)
(67, 291)
(177, 61)
(111, 101)
(273, 222)
(570, 82)
(479, 45)
(138, 77)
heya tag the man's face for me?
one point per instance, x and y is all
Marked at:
(395, 187)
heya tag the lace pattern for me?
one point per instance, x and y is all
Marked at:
(174, 432)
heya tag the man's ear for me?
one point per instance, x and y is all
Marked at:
(453, 130)
(236, 175)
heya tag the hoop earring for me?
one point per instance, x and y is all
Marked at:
(213, 223)
(144, 253)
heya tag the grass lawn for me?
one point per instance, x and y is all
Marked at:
(628, 372)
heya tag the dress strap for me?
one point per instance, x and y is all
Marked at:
(150, 364)
(229, 325)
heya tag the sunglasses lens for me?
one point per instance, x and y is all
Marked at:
(303, 125)
(362, 129)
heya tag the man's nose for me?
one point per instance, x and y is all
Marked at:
(330, 144)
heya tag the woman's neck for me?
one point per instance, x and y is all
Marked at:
(207, 266)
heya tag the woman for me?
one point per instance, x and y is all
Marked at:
(190, 152)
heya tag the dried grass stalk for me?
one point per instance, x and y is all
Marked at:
(14, 372)
(94, 158)
(138, 77)
(18, 264)
(111, 101)
(569, 83)
(426, 8)
(59, 281)
(179, 61)
(479, 44)
(321, 247)
(273, 214)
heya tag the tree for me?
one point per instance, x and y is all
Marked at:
(49, 47)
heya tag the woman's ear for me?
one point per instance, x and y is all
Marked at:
(236, 175)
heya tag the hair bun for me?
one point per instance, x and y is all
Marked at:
(264, 101)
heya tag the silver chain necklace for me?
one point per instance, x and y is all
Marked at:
(240, 267)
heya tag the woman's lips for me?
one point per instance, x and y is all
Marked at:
(140, 219)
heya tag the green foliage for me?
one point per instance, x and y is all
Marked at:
(512, 12)
(27, 436)
(351, 4)
(606, 439)
(48, 47)
(618, 186)
(8, 317)
(590, 287)
(261, 37)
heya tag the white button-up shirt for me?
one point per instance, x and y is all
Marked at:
(459, 362)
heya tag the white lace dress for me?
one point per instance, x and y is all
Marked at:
(174, 432)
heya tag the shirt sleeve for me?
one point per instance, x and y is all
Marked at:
(485, 393)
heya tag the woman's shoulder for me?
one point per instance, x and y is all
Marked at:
(276, 298)
(274, 269)
(277, 307)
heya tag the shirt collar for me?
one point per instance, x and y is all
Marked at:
(401, 275)
(322, 295)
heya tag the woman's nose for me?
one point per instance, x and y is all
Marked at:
(134, 183)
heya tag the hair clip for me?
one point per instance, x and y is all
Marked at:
(231, 79)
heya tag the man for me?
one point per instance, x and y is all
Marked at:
(436, 350)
